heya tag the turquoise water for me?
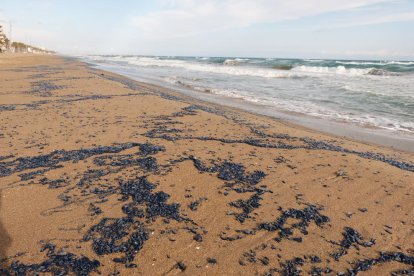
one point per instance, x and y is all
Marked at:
(374, 94)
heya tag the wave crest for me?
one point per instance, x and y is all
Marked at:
(341, 70)
(236, 61)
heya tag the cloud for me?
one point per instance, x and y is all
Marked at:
(389, 18)
(189, 17)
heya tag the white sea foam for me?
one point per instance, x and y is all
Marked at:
(378, 63)
(318, 110)
(235, 61)
(211, 68)
(313, 60)
(401, 62)
(228, 67)
(341, 70)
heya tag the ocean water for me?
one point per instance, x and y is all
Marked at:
(371, 94)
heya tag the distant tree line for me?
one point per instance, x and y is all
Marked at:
(17, 47)
(4, 41)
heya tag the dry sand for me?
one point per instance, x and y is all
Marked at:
(101, 174)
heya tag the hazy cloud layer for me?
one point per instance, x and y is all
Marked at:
(188, 17)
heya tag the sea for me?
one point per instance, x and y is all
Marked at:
(371, 94)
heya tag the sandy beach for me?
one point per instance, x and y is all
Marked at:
(100, 174)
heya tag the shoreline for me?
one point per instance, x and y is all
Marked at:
(101, 174)
(380, 137)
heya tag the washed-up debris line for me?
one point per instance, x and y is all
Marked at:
(247, 206)
(290, 267)
(113, 164)
(43, 75)
(312, 145)
(130, 84)
(56, 157)
(188, 110)
(239, 181)
(53, 161)
(309, 143)
(230, 171)
(147, 163)
(118, 235)
(149, 149)
(160, 132)
(44, 88)
(57, 263)
(94, 210)
(385, 257)
(351, 237)
(54, 184)
(35, 105)
(251, 142)
(91, 175)
(6, 157)
(248, 256)
(320, 145)
(7, 107)
(127, 235)
(31, 175)
(82, 98)
(196, 203)
(293, 267)
(141, 191)
(306, 216)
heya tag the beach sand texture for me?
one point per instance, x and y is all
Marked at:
(102, 174)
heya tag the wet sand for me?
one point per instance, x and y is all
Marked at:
(103, 174)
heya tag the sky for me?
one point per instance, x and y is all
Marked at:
(348, 29)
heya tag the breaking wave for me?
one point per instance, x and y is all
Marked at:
(342, 70)
(376, 63)
(235, 61)
(371, 93)
(249, 67)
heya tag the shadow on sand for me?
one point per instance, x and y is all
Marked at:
(5, 239)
